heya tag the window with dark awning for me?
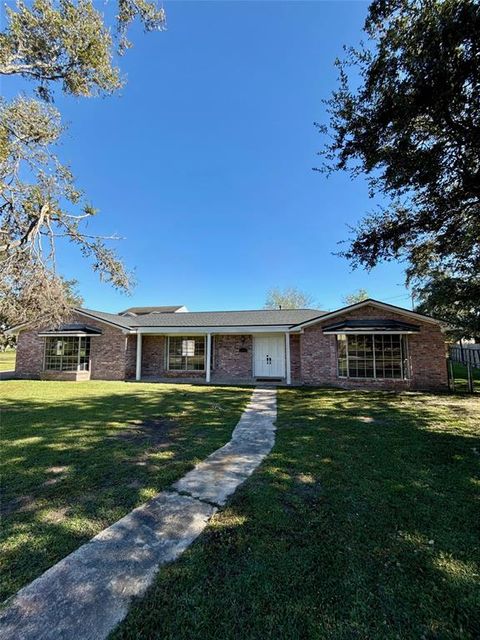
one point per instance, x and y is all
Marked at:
(371, 325)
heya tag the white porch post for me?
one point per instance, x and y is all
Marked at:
(138, 371)
(209, 352)
(287, 358)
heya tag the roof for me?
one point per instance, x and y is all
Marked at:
(145, 310)
(294, 319)
(371, 324)
(74, 329)
(384, 306)
(194, 319)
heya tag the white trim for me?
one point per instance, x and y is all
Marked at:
(405, 375)
(68, 334)
(287, 358)
(187, 334)
(269, 374)
(202, 331)
(208, 356)
(360, 305)
(366, 332)
(19, 327)
(138, 365)
(44, 368)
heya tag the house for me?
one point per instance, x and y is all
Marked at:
(365, 345)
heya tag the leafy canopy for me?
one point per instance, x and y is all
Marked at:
(356, 296)
(288, 298)
(65, 44)
(406, 115)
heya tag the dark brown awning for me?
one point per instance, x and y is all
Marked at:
(371, 325)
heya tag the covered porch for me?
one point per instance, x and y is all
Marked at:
(217, 356)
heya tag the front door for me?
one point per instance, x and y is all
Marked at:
(269, 356)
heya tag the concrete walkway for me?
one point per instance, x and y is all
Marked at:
(85, 595)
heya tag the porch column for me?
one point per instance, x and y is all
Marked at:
(287, 358)
(138, 370)
(209, 353)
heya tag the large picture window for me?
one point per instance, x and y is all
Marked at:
(186, 353)
(372, 356)
(67, 353)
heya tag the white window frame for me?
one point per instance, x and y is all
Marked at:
(405, 373)
(188, 337)
(79, 338)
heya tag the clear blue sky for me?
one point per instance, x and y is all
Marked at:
(204, 161)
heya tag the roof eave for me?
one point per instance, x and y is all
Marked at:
(363, 303)
(223, 329)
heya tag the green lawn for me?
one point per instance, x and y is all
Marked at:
(460, 375)
(7, 360)
(362, 524)
(78, 456)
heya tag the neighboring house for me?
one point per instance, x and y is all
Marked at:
(365, 345)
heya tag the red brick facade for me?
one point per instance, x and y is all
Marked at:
(233, 356)
(426, 355)
(313, 356)
(109, 354)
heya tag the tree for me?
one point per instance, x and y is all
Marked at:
(72, 295)
(288, 298)
(52, 43)
(410, 122)
(356, 296)
(451, 299)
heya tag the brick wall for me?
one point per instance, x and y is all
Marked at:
(295, 357)
(30, 353)
(229, 361)
(426, 351)
(154, 360)
(153, 356)
(131, 357)
(107, 352)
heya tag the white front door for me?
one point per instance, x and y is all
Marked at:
(269, 356)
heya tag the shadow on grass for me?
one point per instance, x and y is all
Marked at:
(362, 523)
(74, 461)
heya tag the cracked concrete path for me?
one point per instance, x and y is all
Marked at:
(85, 595)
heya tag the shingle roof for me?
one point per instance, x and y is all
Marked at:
(193, 319)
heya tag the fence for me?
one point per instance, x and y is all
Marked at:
(466, 354)
(469, 357)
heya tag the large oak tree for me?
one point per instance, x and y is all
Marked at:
(63, 45)
(406, 114)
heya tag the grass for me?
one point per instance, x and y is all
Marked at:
(77, 457)
(7, 360)
(361, 524)
(460, 376)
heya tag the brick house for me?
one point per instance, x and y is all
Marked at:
(366, 345)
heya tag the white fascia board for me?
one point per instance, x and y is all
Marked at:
(192, 331)
(68, 334)
(341, 332)
(365, 303)
(13, 331)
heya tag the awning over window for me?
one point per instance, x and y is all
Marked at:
(371, 325)
(75, 330)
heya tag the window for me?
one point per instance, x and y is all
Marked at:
(67, 353)
(186, 353)
(372, 356)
